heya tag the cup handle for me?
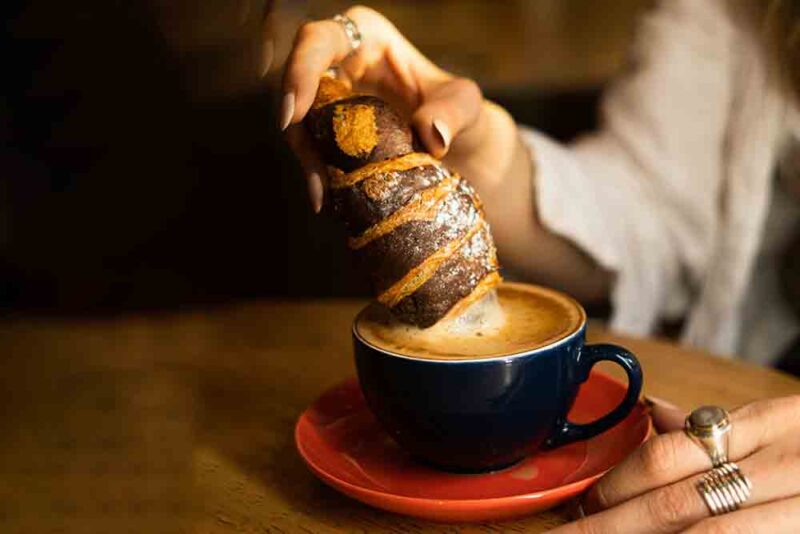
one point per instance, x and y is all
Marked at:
(568, 432)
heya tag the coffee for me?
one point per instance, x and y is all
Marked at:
(529, 318)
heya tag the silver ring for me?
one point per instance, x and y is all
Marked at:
(710, 427)
(351, 31)
(724, 488)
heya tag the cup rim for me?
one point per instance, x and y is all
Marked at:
(579, 329)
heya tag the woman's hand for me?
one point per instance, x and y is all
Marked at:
(474, 137)
(448, 113)
(654, 489)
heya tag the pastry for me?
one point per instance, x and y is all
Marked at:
(416, 228)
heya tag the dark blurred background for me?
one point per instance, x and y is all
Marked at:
(141, 166)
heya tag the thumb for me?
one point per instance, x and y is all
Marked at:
(666, 416)
(447, 110)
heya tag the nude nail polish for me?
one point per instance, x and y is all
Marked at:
(287, 110)
(443, 131)
(267, 56)
(661, 403)
(315, 191)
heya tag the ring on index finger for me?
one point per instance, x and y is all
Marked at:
(351, 31)
(710, 428)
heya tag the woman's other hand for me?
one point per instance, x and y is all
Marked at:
(654, 489)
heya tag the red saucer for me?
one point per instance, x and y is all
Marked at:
(343, 444)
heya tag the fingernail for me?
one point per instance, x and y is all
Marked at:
(666, 416)
(315, 191)
(287, 110)
(267, 55)
(661, 403)
(443, 131)
(578, 509)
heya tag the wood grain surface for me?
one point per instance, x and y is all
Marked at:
(182, 421)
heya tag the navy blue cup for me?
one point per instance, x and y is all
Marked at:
(486, 414)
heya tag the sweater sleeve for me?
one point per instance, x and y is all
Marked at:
(641, 195)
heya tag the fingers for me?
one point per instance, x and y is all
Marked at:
(661, 460)
(313, 168)
(773, 471)
(385, 61)
(317, 46)
(448, 109)
(666, 509)
(673, 456)
(779, 517)
(762, 423)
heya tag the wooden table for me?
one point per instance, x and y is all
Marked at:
(183, 420)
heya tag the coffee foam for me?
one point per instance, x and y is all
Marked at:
(513, 319)
(485, 315)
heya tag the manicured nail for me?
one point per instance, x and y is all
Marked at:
(287, 110)
(443, 131)
(267, 55)
(666, 416)
(315, 191)
(661, 403)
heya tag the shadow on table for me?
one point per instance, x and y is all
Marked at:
(245, 426)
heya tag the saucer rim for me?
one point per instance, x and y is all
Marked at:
(577, 485)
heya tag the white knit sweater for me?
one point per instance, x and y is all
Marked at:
(673, 191)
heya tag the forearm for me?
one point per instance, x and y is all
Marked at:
(507, 190)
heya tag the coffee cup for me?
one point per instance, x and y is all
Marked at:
(499, 396)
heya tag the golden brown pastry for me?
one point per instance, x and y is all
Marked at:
(417, 229)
